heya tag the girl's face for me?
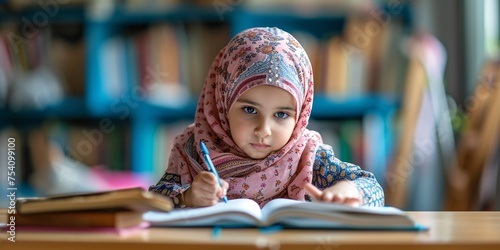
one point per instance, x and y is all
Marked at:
(262, 120)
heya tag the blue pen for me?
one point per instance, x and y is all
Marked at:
(208, 161)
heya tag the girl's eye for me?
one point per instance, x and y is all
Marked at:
(249, 110)
(281, 115)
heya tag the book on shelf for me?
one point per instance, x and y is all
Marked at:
(286, 213)
(335, 67)
(198, 50)
(132, 199)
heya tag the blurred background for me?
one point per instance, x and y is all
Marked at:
(92, 93)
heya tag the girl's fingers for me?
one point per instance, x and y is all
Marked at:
(313, 191)
(224, 188)
(209, 198)
(209, 178)
(352, 202)
(206, 191)
(328, 196)
(338, 198)
(212, 188)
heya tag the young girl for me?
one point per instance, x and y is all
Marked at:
(252, 115)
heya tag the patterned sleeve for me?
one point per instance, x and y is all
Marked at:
(176, 179)
(327, 170)
(170, 185)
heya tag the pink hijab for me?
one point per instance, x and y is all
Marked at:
(253, 57)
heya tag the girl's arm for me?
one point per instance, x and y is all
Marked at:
(170, 185)
(332, 174)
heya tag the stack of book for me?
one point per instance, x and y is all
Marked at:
(113, 209)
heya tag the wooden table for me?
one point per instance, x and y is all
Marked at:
(448, 230)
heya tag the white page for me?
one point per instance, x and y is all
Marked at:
(325, 207)
(332, 215)
(208, 215)
(276, 204)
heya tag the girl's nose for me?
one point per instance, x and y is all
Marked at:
(263, 130)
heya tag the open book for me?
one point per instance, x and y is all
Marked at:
(287, 213)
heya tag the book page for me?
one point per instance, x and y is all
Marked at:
(332, 215)
(237, 212)
(281, 204)
(275, 205)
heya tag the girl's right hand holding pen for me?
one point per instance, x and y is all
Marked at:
(205, 191)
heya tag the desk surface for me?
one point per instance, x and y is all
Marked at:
(448, 230)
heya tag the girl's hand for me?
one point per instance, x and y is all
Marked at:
(343, 192)
(205, 191)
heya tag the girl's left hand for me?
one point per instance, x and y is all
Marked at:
(343, 192)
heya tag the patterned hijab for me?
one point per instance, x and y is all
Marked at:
(257, 56)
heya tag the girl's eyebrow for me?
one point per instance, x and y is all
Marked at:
(287, 108)
(249, 102)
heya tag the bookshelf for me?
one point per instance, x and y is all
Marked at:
(35, 20)
(118, 27)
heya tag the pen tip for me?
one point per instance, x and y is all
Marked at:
(203, 147)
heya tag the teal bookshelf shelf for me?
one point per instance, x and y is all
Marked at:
(325, 107)
(69, 107)
(291, 20)
(152, 111)
(36, 16)
(181, 13)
